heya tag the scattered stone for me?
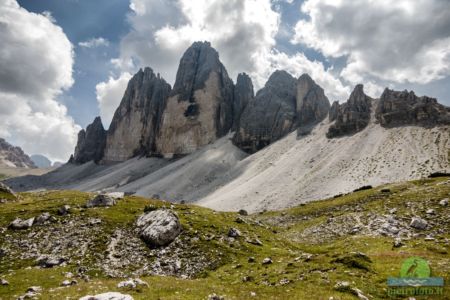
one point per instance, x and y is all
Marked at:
(284, 281)
(252, 294)
(418, 223)
(108, 296)
(393, 211)
(398, 242)
(234, 233)
(101, 200)
(430, 211)
(69, 282)
(443, 202)
(159, 227)
(239, 220)
(19, 224)
(267, 261)
(64, 210)
(116, 195)
(94, 221)
(41, 219)
(49, 261)
(4, 282)
(215, 297)
(342, 286)
(132, 283)
(254, 242)
(251, 259)
(429, 238)
(243, 212)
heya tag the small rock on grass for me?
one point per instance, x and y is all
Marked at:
(443, 202)
(234, 233)
(132, 283)
(18, 223)
(215, 297)
(418, 223)
(267, 261)
(4, 282)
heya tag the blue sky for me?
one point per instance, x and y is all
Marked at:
(76, 56)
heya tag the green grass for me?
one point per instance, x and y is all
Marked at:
(309, 268)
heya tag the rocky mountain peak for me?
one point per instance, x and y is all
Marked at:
(352, 116)
(14, 157)
(405, 108)
(243, 94)
(137, 120)
(312, 104)
(200, 107)
(91, 143)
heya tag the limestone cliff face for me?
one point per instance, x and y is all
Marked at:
(312, 104)
(283, 105)
(243, 94)
(137, 120)
(200, 107)
(397, 108)
(352, 116)
(91, 143)
(270, 115)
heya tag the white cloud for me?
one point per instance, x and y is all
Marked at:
(36, 60)
(94, 42)
(109, 95)
(399, 41)
(242, 31)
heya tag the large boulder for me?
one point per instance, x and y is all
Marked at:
(91, 143)
(19, 224)
(137, 120)
(243, 94)
(397, 108)
(200, 107)
(352, 116)
(312, 104)
(270, 115)
(101, 201)
(159, 227)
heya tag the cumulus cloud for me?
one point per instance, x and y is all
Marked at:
(36, 60)
(399, 41)
(242, 31)
(109, 95)
(94, 42)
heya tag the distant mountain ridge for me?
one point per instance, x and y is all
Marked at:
(14, 157)
(154, 119)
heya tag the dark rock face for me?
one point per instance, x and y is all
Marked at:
(14, 156)
(137, 120)
(397, 108)
(352, 116)
(91, 143)
(312, 104)
(270, 115)
(334, 111)
(243, 94)
(200, 107)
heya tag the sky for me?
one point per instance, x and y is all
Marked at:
(64, 62)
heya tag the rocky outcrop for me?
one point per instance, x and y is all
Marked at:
(270, 115)
(159, 227)
(243, 94)
(91, 143)
(137, 120)
(108, 296)
(312, 104)
(200, 107)
(101, 201)
(352, 116)
(397, 108)
(14, 157)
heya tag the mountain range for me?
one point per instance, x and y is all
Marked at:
(220, 144)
